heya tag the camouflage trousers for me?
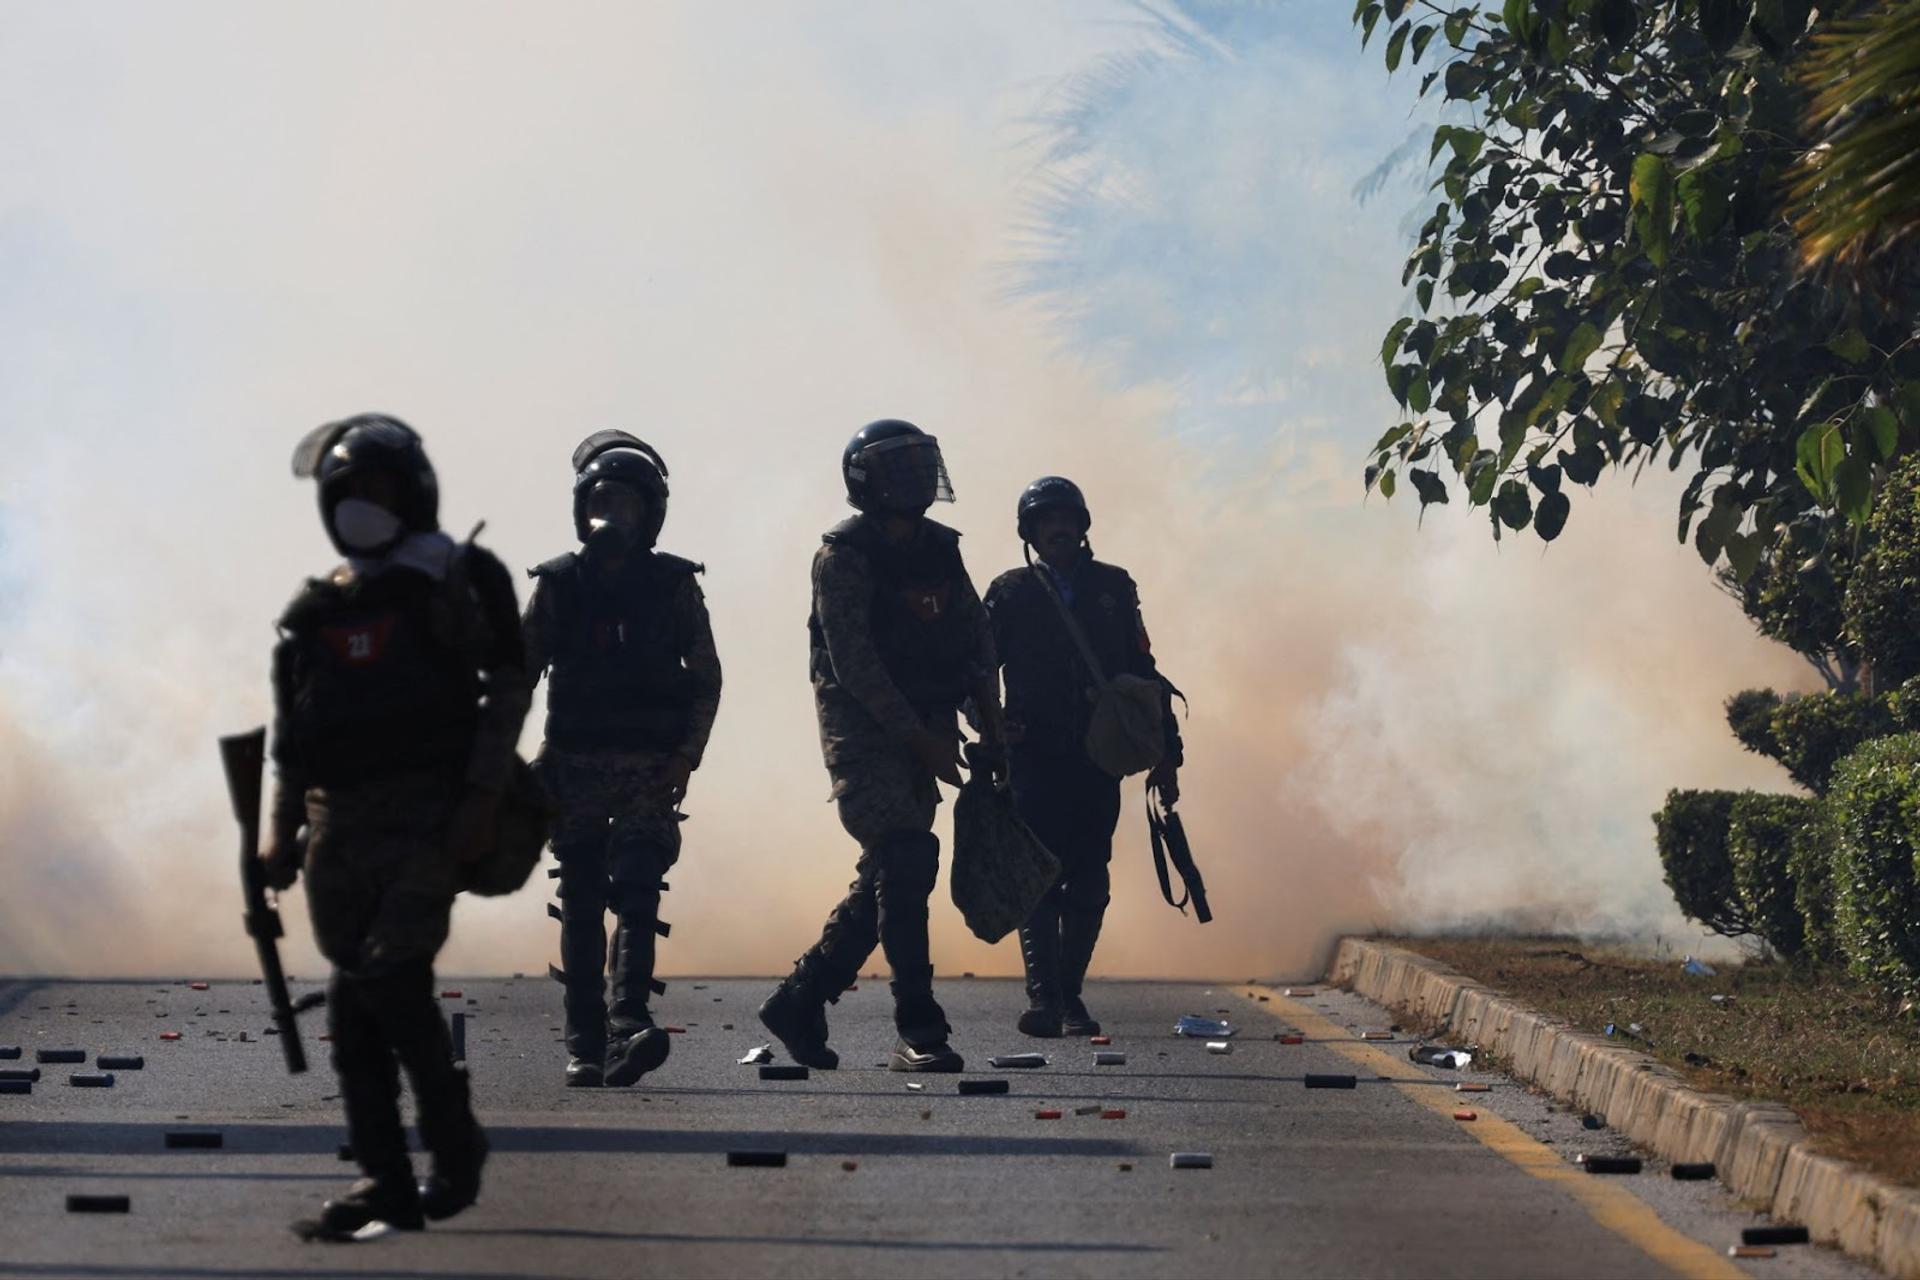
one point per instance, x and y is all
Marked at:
(380, 889)
(615, 842)
(380, 882)
(887, 800)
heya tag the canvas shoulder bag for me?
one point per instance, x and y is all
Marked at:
(1127, 732)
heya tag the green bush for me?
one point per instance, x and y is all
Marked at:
(1762, 832)
(1811, 866)
(1875, 805)
(1815, 731)
(1691, 833)
(1750, 716)
(1883, 594)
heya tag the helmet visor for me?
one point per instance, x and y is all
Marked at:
(615, 505)
(906, 474)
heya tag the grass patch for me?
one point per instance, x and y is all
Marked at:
(1826, 1046)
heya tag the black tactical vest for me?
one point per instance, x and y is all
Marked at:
(923, 644)
(371, 690)
(618, 681)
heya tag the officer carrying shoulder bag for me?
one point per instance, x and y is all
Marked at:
(1127, 733)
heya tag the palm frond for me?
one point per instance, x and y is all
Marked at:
(1855, 195)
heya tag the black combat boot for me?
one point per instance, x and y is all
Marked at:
(1040, 953)
(796, 1014)
(583, 957)
(637, 1045)
(1079, 931)
(394, 1201)
(922, 1025)
(459, 1147)
(585, 1072)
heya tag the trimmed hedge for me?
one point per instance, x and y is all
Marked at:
(1691, 833)
(1875, 805)
(1811, 866)
(1883, 594)
(1750, 716)
(1763, 832)
(1814, 732)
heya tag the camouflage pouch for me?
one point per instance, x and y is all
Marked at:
(526, 819)
(1000, 868)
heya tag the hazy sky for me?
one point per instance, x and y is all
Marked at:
(1116, 243)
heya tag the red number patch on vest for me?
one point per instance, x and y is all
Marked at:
(360, 644)
(928, 604)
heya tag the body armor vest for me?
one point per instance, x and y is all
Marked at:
(373, 689)
(618, 680)
(923, 644)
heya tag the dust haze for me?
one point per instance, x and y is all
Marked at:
(741, 235)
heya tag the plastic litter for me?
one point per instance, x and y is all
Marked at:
(99, 1204)
(1700, 1171)
(1466, 1115)
(1464, 1087)
(1435, 1056)
(755, 1056)
(1046, 1113)
(9, 1052)
(1090, 1040)
(27, 1074)
(914, 1086)
(60, 1055)
(1195, 1027)
(1783, 1234)
(195, 1139)
(1328, 1081)
(757, 1159)
(983, 1086)
(1697, 968)
(90, 1080)
(1611, 1164)
(1020, 1061)
(196, 986)
(1376, 1035)
(1112, 1059)
(1114, 1113)
(1298, 993)
(1091, 1110)
(1291, 1037)
(784, 1071)
(1191, 1160)
(16, 1086)
(124, 1062)
(1219, 1046)
(1752, 1251)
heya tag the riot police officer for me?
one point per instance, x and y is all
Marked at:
(399, 688)
(1068, 801)
(633, 686)
(899, 642)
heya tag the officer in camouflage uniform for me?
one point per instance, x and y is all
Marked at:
(399, 686)
(899, 642)
(633, 685)
(1068, 801)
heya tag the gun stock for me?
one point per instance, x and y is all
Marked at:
(244, 756)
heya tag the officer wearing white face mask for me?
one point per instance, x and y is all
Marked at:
(399, 686)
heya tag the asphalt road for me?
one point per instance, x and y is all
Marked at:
(1379, 1180)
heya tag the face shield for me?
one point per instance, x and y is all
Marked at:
(616, 515)
(904, 475)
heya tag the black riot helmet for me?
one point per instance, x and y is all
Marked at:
(893, 468)
(335, 452)
(1051, 493)
(617, 458)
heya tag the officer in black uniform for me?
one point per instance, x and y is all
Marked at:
(399, 686)
(899, 641)
(633, 685)
(1068, 801)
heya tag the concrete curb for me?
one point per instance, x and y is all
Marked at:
(1760, 1148)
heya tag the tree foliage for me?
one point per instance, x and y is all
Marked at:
(1608, 279)
(1857, 193)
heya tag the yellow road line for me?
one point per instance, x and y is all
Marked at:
(1607, 1203)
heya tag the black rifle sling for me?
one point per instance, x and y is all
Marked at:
(1156, 832)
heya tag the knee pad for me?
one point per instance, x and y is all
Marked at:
(910, 863)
